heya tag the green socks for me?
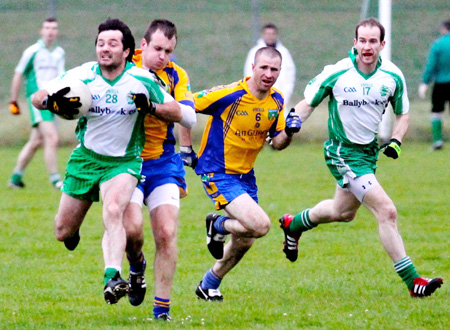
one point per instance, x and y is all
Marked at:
(302, 222)
(404, 267)
(16, 178)
(436, 129)
(109, 274)
(406, 270)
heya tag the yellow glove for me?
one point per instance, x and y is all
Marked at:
(392, 148)
(14, 108)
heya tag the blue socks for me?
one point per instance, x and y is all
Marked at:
(160, 306)
(138, 265)
(211, 280)
(218, 224)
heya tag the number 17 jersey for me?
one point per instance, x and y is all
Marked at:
(357, 101)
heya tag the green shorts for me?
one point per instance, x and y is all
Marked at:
(36, 115)
(86, 171)
(350, 160)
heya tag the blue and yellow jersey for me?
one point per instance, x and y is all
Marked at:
(237, 128)
(159, 136)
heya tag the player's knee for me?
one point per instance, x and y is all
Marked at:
(52, 142)
(49, 137)
(112, 211)
(346, 216)
(59, 235)
(133, 230)
(61, 231)
(35, 143)
(262, 228)
(165, 236)
(389, 213)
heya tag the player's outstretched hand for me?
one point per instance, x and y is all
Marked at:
(293, 123)
(66, 107)
(189, 156)
(422, 91)
(392, 148)
(14, 108)
(158, 79)
(142, 103)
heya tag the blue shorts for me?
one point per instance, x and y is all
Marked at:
(157, 172)
(224, 188)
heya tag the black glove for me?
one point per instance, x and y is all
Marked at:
(158, 79)
(66, 107)
(143, 104)
(189, 156)
(392, 148)
(293, 123)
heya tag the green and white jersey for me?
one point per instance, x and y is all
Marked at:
(39, 64)
(357, 101)
(113, 127)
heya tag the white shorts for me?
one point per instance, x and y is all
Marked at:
(361, 185)
(168, 193)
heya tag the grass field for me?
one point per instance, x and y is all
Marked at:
(342, 280)
(214, 38)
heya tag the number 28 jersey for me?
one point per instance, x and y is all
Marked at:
(113, 127)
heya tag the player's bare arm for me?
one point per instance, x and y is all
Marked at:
(169, 111)
(177, 113)
(281, 141)
(15, 86)
(38, 98)
(304, 110)
(401, 125)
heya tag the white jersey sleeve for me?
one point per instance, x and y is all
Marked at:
(26, 58)
(322, 85)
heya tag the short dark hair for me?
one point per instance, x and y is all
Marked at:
(270, 26)
(167, 28)
(269, 51)
(51, 19)
(371, 22)
(446, 25)
(127, 36)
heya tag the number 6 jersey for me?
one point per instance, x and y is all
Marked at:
(237, 128)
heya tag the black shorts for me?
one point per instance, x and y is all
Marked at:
(440, 95)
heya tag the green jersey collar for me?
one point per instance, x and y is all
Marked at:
(128, 65)
(353, 53)
(42, 44)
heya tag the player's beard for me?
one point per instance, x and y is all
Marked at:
(111, 67)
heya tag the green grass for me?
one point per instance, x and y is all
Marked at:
(215, 36)
(343, 279)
